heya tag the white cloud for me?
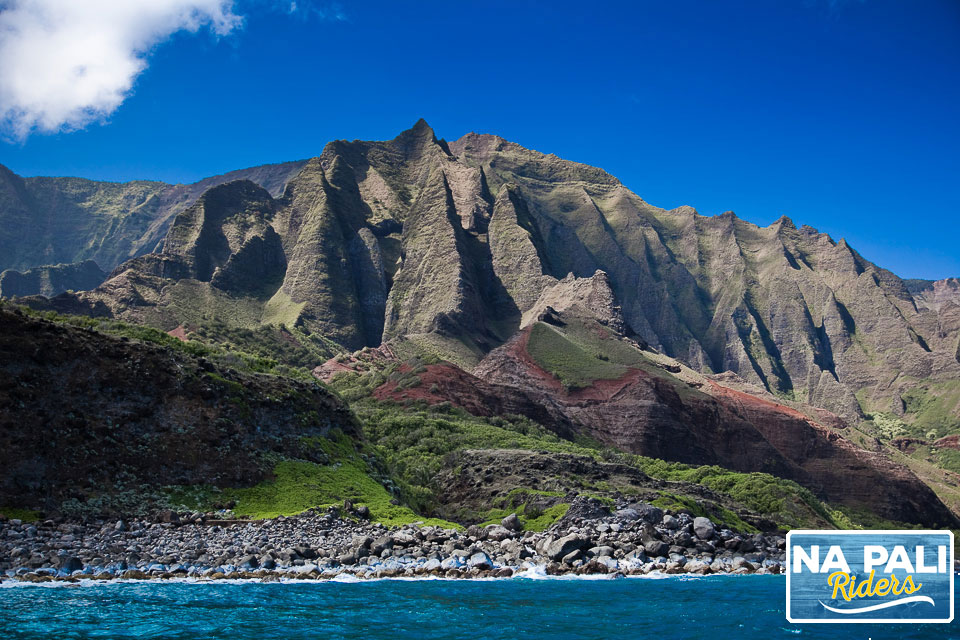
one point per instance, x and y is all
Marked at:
(323, 11)
(67, 63)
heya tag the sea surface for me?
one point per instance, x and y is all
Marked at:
(711, 607)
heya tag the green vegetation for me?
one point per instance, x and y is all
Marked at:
(888, 426)
(949, 459)
(414, 441)
(934, 408)
(859, 518)
(575, 367)
(784, 501)
(298, 485)
(931, 410)
(228, 354)
(532, 519)
(366, 377)
(526, 503)
(582, 352)
(927, 467)
(279, 343)
(14, 513)
(718, 513)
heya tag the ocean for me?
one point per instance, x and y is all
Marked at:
(710, 607)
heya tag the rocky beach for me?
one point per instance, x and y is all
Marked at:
(634, 539)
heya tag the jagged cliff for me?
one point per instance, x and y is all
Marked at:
(416, 237)
(452, 248)
(48, 221)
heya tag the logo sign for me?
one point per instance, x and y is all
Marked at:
(869, 576)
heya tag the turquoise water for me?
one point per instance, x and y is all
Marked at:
(714, 608)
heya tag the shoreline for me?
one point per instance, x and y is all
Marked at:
(637, 540)
(525, 575)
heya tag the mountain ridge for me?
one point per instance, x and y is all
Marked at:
(450, 249)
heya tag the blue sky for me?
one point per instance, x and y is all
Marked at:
(842, 115)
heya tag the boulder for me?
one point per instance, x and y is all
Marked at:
(683, 539)
(380, 544)
(305, 552)
(697, 566)
(511, 523)
(560, 547)
(739, 563)
(480, 560)
(584, 508)
(168, 515)
(497, 533)
(627, 514)
(656, 548)
(648, 513)
(572, 557)
(704, 528)
(362, 542)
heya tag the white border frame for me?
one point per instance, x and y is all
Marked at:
(874, 533)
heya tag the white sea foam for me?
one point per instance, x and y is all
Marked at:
(528, 572)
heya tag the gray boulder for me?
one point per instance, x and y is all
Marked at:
(362, 542)
(648, 512)
(656, 548)
(697, 566)
(511, 523)
(480, 560)
(498, 532)
(380, 544)
(560, 547)
(703, 528)
(572, 557)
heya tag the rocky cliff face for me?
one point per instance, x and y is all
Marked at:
(455, 242)
(465, 250)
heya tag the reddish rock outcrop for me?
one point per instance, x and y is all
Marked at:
(661, 416)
